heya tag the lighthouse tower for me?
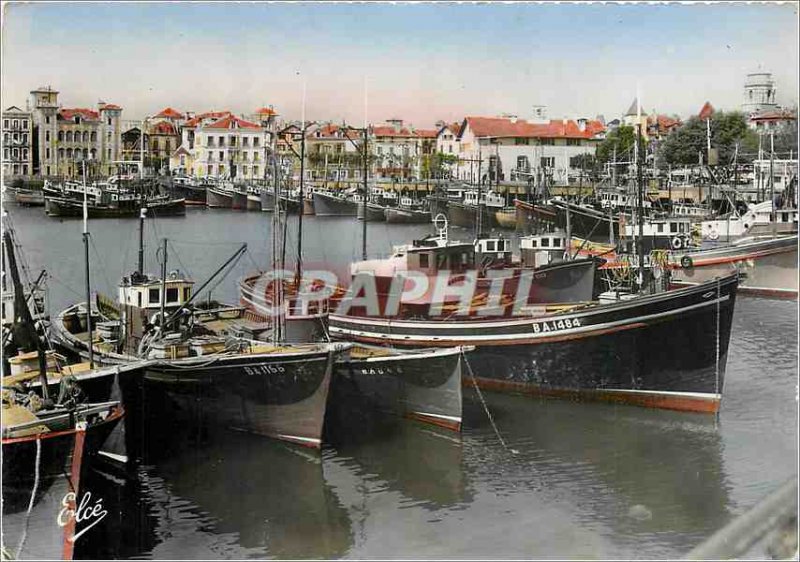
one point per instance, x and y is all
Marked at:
(759, 93)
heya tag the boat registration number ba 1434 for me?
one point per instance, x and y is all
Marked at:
(555, 325)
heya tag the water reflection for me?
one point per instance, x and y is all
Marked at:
(629, 472)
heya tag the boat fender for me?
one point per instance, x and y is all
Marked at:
(686, 262)
(676, 243)
(713, 235)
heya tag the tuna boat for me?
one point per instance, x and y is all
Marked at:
(334, 204)
(666, 349)
(188, 189)
(225, 195)
(768, 265)
(407, 212)
(531, 216)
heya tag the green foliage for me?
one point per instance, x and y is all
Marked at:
(624, 138)
(437, 165)
(785, 140)
(683, 145)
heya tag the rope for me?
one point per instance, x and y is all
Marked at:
(33, 496)
(716, 388)
(485, 406)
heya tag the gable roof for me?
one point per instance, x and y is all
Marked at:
(633, 110)
(390, 131)
(163, 128)
(779, 115)
(181, 150)
(427, 133)
(83, 113)
(109, 106)
(232, 122)
(198, 119)
(706, 111)
(505, 127)
(266, 111)
(14, 109)
(169, 113)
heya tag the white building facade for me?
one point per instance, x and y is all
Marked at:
(17, 142)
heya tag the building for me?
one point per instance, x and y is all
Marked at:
(771, 120)
(511, 149)
(635, 116)
(334, 153)
(220, 144)
(759, 93)
(17, 142)
(66, 138)
(397, 150)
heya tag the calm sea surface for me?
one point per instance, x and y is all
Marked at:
(575, 481)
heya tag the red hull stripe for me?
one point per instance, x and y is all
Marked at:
(75, 482)
(688, 402)
(434, 420)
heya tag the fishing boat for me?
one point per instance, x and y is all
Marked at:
(768, 265)
(764, 218)
(666, 350)
(187, 188)
(29, 197)
(532, 216)
(407, 211)
(375, 212)
(47, 451)
(586, 220)
(476, 208)
(506, 217)
(335, 204)
(219, 197)
(420, 384)
(158, 206)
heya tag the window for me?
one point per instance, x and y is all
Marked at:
(47, 157)
(245, 141)
(660, 227)
(186, 294)
(25, 138)
(522, 162)
(244, 170)
(47, 120)
(490, 246)
(108, 137)
(573, 142)
(94, 136)
(108, 153)
(172, 294)
(24, 123)
(221, 141)
(221, 155)
(673, 227)
(152, 297)
(255, 170)
(423, 261)
(232, 141)
(548, 162)
(109, 120)
(255, 141)
(519, 141)
(16, 123)
(5, 126)
(69, 153)
(61, 153)
(547, 142)
(47, 136)
(210, 169)
(183, 160)
(139, 299)
(545, 242)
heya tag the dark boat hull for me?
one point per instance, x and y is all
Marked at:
(665, 350)
(191, 194)
(279, 396)
(534, 217)
(375, 213)
(218, 200)
(437, 205)
(424, 386)
(465, 216)
(586, 223)
(29, 198)
(253, 203)
(65, 458)
(268, 202)
(406, 216)
(60, 207)
(331, 206)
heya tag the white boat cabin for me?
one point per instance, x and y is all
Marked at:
(145, 293)
(541, 249)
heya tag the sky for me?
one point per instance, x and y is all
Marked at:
(420, 62)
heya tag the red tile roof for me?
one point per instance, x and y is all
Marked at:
(163, 128)
(389, 131)
(706, 111)
(329, 132)
(169, 113)
(232, 122)
(266, 111)
(83, 113)
(427, 133)
(198, 119)
(505, 127)
(110, 106)
(773, 116)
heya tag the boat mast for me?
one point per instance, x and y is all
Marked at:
(640, 195)
(366, 172)
(772, 182)
(89, 343)
(301, 195)
(480, 184)
(24, 327)
(143, 209)
(163, 283)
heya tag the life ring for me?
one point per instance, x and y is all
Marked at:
(676, 243)
(713, 235)
(686, 262)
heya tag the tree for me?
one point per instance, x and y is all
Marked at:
(587, 163)
(623, 138)
(437, 165)
(728, 129)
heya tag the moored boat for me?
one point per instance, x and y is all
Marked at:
(330, 204)
(217, 198)
(666, 350)
(160, 206)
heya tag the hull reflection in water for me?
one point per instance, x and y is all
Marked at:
(653, 478)
(232, 495)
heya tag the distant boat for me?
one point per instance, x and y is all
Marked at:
(29, 197)
(332, 204)
(159, 207)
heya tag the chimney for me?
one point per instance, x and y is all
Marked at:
(539, 114)
(582, 123)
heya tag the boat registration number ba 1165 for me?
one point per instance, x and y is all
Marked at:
(264, 369)
(555, 325)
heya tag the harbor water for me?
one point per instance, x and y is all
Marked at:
(561, 480)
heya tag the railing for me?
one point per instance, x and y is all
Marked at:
(767, 531)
